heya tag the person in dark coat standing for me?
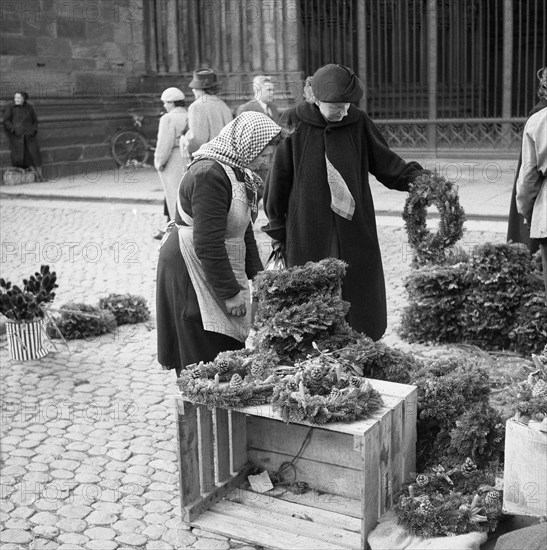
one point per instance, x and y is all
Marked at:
(317, 195)
(21, 125)
(263, 102)
(209, 253)
(518, 231)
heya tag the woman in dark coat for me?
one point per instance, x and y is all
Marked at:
(21, 125)
(317, 195)
(209, 253)
(517, 231)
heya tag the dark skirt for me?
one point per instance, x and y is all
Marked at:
(181, 338)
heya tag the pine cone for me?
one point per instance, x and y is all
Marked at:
(355, 381)
(316, 372)
(292, 384)
(426, 508)
(257, 369)
(422, 480)
(335, 392)
(236, 383)
(492, 498)
(468, 467)
(540, 388)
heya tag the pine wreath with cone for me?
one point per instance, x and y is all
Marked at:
(320, 392)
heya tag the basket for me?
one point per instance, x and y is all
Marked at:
(26, 340)
(16, 176)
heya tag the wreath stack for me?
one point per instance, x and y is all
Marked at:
(426, 190)
(298, 307)
(447, 503)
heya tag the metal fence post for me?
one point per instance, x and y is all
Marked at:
(432, 72)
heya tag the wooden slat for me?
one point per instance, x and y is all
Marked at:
(324, 501)
(327, 478)
(397, 448)
(358, 428)
(319, 533)
(269, 503)
(187, 444)
(193, 510)
(222, 458)
(384, 466)
(205, 449)
(237, 428)
(266, 536)
(410, 411)
(323, 445)
(369, 447)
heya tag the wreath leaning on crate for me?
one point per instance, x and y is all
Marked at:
(426, 190)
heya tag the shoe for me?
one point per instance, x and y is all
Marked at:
(159, 235)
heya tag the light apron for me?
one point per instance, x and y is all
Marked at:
(214, 315)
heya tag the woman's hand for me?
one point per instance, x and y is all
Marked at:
(236, 305)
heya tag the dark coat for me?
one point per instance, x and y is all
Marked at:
(21, 126)
(297, 202)
(517, 232)
(254, 105)
(206, 195)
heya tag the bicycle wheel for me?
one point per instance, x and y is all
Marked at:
(129, 146)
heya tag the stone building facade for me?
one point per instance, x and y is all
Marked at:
(441, 77)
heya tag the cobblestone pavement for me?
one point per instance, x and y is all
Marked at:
(88, 450)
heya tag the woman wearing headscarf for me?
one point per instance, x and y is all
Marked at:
(517, 230)
(209, 254)
(21, 125)
(317, 195)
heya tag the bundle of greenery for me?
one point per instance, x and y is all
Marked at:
(456, 501)
(529, 397)
(127, 308)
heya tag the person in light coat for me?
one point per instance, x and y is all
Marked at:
(168, 161)
(207, 115)
(532, 183)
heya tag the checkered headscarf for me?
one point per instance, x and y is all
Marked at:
(240, 142)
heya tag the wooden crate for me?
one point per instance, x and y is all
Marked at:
(354, 469)
(525, 471)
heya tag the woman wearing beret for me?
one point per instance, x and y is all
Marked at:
(21, 125)
(203, 301)
(317, 195)
(168, 160)
(208, 114)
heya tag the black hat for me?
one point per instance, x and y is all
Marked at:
(204, 79)
(336, 84)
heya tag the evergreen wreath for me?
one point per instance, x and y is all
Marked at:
(250, 380)
(320, 392)
(451, 502)
(426, 190)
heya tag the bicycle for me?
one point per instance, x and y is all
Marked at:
(130, 145)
